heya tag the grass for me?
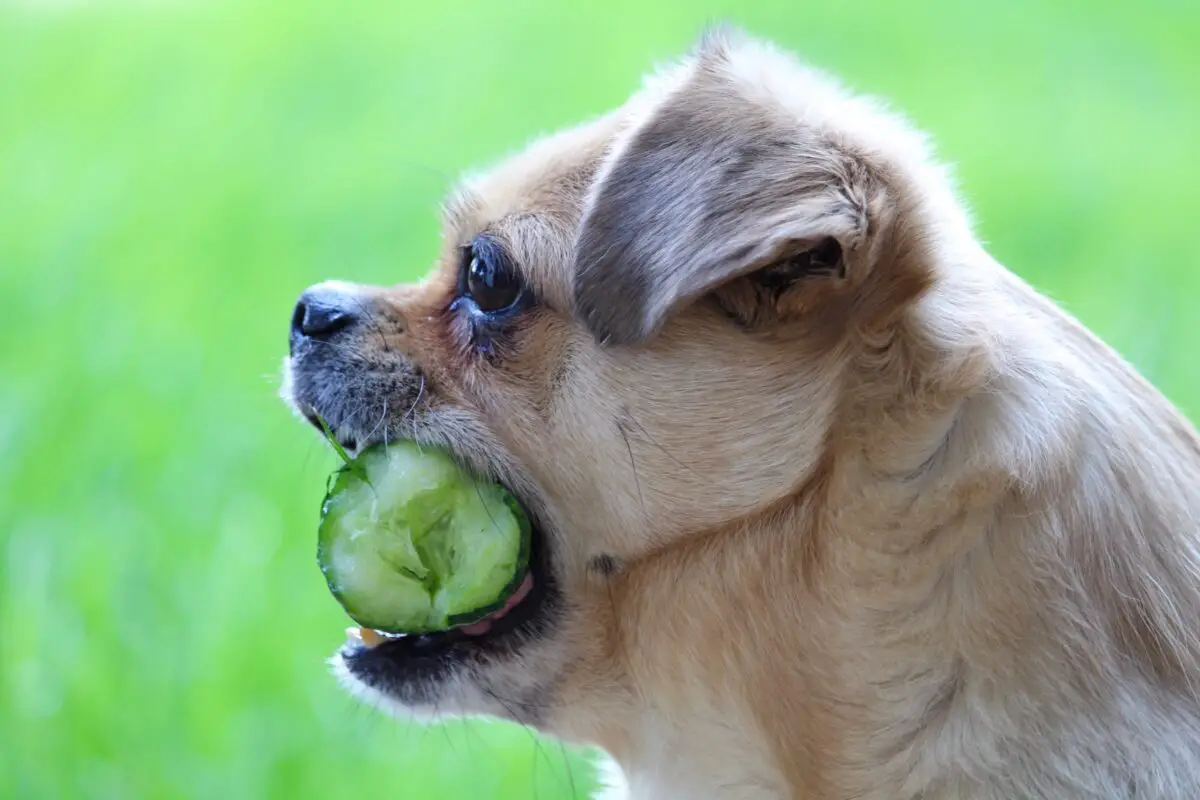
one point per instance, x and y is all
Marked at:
(173, 173)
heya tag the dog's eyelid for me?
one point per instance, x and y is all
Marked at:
(493, 246)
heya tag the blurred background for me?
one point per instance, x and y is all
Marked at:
(173, 173)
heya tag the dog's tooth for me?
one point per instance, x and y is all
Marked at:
(370, 637)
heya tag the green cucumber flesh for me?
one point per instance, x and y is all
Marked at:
(409, 542)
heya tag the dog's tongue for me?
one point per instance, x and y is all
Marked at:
(485, 624)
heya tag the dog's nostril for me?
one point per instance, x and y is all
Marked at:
(318, 320)
(298, 317)
(321, 312)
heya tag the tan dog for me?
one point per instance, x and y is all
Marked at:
(830, 504)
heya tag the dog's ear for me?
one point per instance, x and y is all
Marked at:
(714, 183)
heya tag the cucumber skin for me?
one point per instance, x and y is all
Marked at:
(519, 573)
(353, 469)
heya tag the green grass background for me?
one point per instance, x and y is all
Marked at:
(173, 173)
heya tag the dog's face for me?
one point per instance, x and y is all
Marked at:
(639, 326)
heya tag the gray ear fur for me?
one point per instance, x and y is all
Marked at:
(713, 185)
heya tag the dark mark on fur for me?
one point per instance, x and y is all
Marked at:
(605, 565)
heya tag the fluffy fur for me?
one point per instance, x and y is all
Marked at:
(894, 528)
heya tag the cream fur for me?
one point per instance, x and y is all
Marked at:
(946, 549)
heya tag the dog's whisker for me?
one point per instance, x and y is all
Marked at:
(369, 317)
(382, 421)
(629, 415)
(535, 739)
(566, 762)
(412, 409)
(637, 482)
(410, 416)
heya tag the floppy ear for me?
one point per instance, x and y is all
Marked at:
(713, 184)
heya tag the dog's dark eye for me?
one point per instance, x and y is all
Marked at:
(490, 279)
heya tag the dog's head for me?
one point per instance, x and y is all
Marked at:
(643, 327)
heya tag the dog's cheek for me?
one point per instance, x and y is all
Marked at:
(440, 346)
(522, 376)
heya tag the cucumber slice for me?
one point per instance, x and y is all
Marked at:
(411, 543)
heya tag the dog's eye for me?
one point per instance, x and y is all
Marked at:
(490, 280)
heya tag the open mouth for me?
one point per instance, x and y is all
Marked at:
(521, 612)
(412, 667)
(401, 664)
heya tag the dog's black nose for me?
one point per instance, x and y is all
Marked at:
(322, 311)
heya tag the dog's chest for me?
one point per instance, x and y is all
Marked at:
(703, 761)
(667, 784)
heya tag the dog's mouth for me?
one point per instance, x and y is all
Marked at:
(409, 666)
(413, 668)
(523, 615)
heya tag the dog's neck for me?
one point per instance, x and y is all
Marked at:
(886, 598)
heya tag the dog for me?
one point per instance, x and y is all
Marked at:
(829, 503)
